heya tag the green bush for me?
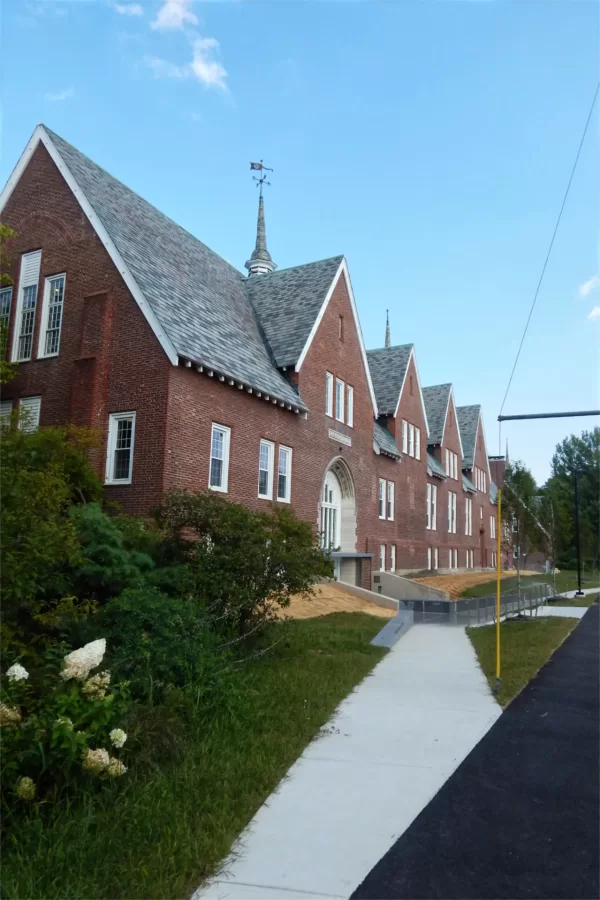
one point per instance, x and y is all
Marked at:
(243, 563)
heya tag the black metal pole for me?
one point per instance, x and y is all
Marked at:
(579, 592)
(556, 415)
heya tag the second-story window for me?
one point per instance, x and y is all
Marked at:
(417, 443)
(404, 436)
(265, 470)
(468, 516)
(328, 394)
(451, 513)
(26, 305)
(382, 498)
(350, 407)
(119, 451)
(5, 301)
(339, 400)
(411, 440)
(52, 310)
(431, 507)
(219, 458)
(284, 475)
(390, 500)
(492, 526)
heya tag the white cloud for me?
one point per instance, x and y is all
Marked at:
(129, 9)
(203, 67)
(60, 95)
(595, 313)
(588, 286)
(164, 69)
(174, 14)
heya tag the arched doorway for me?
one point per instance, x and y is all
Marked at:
(337, 508)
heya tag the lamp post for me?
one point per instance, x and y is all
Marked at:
(578, 592)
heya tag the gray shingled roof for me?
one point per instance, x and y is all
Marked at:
(385, 441)
(468, 417)
(436, 398)
(468, 484)
(199, 299)
(288, 302)
(493, 492)
(388, 367)
(434, 466)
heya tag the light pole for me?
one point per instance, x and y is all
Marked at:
(578, 592)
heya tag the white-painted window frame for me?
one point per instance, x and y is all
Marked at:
(382, 555)
(350, 406)
(269, 446)
(447, 467)
(411, 439)
(32, 407)
(285, 453)
(455, 558)
(434, 507)
(404, 436)
(329, 394)
(417, 443)
(392, 557)
(6, 408)
(223, 487)
(428, 507)
(111, 446)
(429, 558)
(492, 526)
(468, 516)
(436, 559)
(390, 501)
(450, 558)
(339, 399)
(43, 336)
(24, 284)
(381, 498)
(5, 292)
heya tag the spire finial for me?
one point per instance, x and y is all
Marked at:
(260, 263)
(388, 342)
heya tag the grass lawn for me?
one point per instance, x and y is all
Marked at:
(525, 646)
(565, 581)
(586, 600)
(166, 827)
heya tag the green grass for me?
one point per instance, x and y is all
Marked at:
(565, 581)
(166, 827)
(525, 646)
(587, 600)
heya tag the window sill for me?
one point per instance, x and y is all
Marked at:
(283, 500)
(47, 355)
(108, 482)
(264, 497)
(218, 490)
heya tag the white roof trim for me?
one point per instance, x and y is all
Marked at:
(451, 397)
(40, 134)
(413, 356)
(343, 269)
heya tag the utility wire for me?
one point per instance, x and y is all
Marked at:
(537, 290)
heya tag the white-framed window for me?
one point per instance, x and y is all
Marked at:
(52, 311)
(516, 551)
(404, 436)
(466, 559)
(218, 474)
(481, 512)
(339, 400)
(447, 466)
(429, 558)
(26, 304)
(428, 502)
(382, 557)
(284, 475)
(494, 559)
(456, 559)
(492, 526)
(390, 500)
(411, 440)
(468, 516)
(29, 413)
(455, 457)
(392, 557)
(417, 443)
(119, 451)
(435, 558)
(381, 498)
(5, 303)
(350, 406)
(266, 455)
(5, 411)
(449, 559)
(433, 507)
(328, 394)
(451, 513)
(484, 481)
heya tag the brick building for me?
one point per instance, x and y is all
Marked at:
(258, 387)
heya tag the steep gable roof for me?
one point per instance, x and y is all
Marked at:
(436, 399)
(385, 442)
(468, 421)
(434, 467)
(388, 367)
(195, 302)
(288, 302)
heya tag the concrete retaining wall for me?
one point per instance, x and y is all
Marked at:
(363, 594)
(404, 589)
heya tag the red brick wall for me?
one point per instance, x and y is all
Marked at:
(109, 360)
(481, 502)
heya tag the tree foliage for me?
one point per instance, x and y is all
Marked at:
(521, 503)
(7, 370)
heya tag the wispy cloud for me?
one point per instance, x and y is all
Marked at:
(161, 68)
(173, 15)
(588, 286)
(204, 67)
(60, 95)
(595, 313)
(129, 9)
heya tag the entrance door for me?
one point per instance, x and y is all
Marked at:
(331, 509)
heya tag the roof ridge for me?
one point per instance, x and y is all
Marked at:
(53, 134)
(430, 387)
(315, 262)
(393, 347)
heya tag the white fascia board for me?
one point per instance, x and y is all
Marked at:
(342, 270)
(413, 357)
(451, 398)
(41, 135)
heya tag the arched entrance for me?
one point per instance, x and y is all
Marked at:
(337, 508)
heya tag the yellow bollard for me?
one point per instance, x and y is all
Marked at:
(498, 605)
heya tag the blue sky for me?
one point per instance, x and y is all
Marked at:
(430, 142)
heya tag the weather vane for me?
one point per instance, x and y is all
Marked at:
(260, 167)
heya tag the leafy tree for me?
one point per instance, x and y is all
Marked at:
(243, 563)
(7, 370)
(521, 502)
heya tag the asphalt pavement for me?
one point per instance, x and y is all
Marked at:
(519, 817)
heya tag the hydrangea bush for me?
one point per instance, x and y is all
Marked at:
(65, 730)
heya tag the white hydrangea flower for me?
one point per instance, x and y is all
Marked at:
(95, 687)
(118, 737)
(25, 788)
(79, 663)
(17, 672)
(96, 761)
(115, 768)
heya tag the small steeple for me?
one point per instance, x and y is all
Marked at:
(260, 262)
(388, 342)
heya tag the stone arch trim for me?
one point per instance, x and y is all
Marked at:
(348, 513)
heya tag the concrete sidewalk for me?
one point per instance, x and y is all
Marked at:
(390, 747)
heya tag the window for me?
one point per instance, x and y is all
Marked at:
(382, 498)
(265, 470)
(350, 407)
(481, 512)
(492, 526)
(339, 400)
(429, 558)
(329, 394)
(455, 466)
(404, 436)
(456, 559)
(484, 481)
(428, 520)
(466, 559)
(382, 557)
(29, 413)
(393, 558)
(119, 452)
(341, 328)
(468, 516)
(5, 301)
(26, 304)
(411, 440)
(451, 513)
(472, 558)
(52, 309)
(417, 443)
(435, 558)
(447, 462)
(284, 475)
(516, 551)
(390, 500)
(219, 458)
(5, 411)
(449, 559)
(433, 507)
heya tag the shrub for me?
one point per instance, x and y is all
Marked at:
(243, 563)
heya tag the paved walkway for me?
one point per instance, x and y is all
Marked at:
(519, 817)
(391, 746)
